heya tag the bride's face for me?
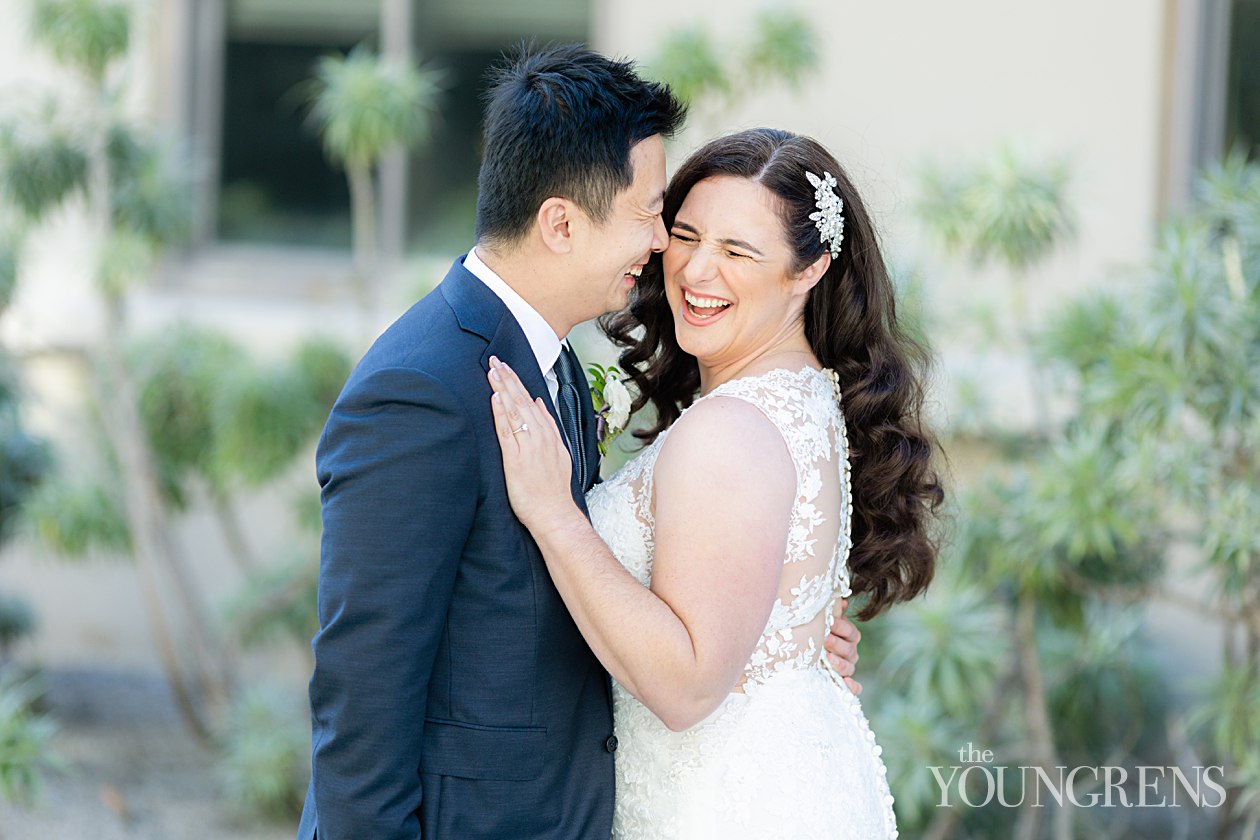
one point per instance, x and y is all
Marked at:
(728, 273)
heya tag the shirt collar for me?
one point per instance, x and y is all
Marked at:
(541, 337)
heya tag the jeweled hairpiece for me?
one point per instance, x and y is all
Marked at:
(830, 216)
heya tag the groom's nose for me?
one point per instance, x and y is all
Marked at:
(660, 236)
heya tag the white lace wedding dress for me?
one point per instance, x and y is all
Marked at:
(788, 754)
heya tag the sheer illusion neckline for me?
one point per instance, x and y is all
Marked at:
(800, 372)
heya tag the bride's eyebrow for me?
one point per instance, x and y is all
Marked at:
(725, 243)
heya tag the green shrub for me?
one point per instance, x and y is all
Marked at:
(26, 750)
(17, 620)
(264, 759)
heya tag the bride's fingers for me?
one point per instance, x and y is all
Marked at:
(551, 421)
(547, 424)
(512, 382)
(520, 400)
(517, 410)
(507, 406)
(503, 425)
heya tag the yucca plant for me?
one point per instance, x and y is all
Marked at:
(687, 60)
(364, 106)
(182, 412)
(88, 35)
(17, 621)
(75, 517)
(1200, 317)
(712, 77)
(1158, 455)
(8, 269)
(1011, 211)
(26, 748)
(263, 761)
(134, 212)
(221, 420)
(25, 459)
(1014, 212)
(784, 48)
(279, 604)
(45, 164)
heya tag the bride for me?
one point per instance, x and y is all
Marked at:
(788, 467)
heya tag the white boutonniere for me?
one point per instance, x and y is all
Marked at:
(612, 401)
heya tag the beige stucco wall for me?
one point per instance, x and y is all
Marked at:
(914, 80)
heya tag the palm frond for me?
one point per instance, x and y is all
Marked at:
(364, 105)
(86, 34)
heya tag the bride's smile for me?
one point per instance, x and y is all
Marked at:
(730, 278)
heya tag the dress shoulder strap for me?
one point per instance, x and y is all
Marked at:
(802, 404)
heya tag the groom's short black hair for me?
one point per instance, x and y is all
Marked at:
(561, 122)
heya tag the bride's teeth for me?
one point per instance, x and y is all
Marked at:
(635, 272)
(705, 303)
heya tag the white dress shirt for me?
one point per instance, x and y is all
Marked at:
(542, 338)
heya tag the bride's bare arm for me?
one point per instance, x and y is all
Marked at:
(724, 486)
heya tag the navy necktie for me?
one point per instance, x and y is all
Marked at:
(569, 395)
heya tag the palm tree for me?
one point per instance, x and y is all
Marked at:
(711, 78)
(365, 106)
(1007, 211)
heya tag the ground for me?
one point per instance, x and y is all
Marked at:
(133, 772)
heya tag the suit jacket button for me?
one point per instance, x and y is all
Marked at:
(611, 743)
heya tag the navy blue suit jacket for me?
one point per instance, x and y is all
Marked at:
(452, 696)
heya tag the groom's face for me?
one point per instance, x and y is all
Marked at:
(615, 252)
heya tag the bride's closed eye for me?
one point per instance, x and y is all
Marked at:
(683, 238)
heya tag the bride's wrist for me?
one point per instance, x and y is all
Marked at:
(556, 524)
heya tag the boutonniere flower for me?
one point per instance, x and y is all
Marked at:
(612, 403)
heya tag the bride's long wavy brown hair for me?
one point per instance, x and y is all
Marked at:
(851, 325)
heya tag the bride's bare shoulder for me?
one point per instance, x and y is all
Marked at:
(727, 438)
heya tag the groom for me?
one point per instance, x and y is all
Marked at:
(453, 696)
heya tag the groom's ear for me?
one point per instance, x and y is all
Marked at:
(555, 218)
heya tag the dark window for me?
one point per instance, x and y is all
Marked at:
(1242, 99)
(276, 184)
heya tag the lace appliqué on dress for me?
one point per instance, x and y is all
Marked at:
(789, 753)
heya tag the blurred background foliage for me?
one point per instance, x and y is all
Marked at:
(180, 418)
(1132, 485)
(365, 106)
(1136, 485)
(781, 49)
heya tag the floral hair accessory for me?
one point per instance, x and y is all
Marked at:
(830, 216)
(612, 404)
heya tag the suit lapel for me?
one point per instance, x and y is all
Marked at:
(480, 311)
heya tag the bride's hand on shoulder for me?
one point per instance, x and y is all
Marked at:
(536, 462)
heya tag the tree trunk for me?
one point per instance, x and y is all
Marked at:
(946, 822)
(363, 221)
(1040, 729)
(1036, 377)
(234, 534)
(151, 542)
